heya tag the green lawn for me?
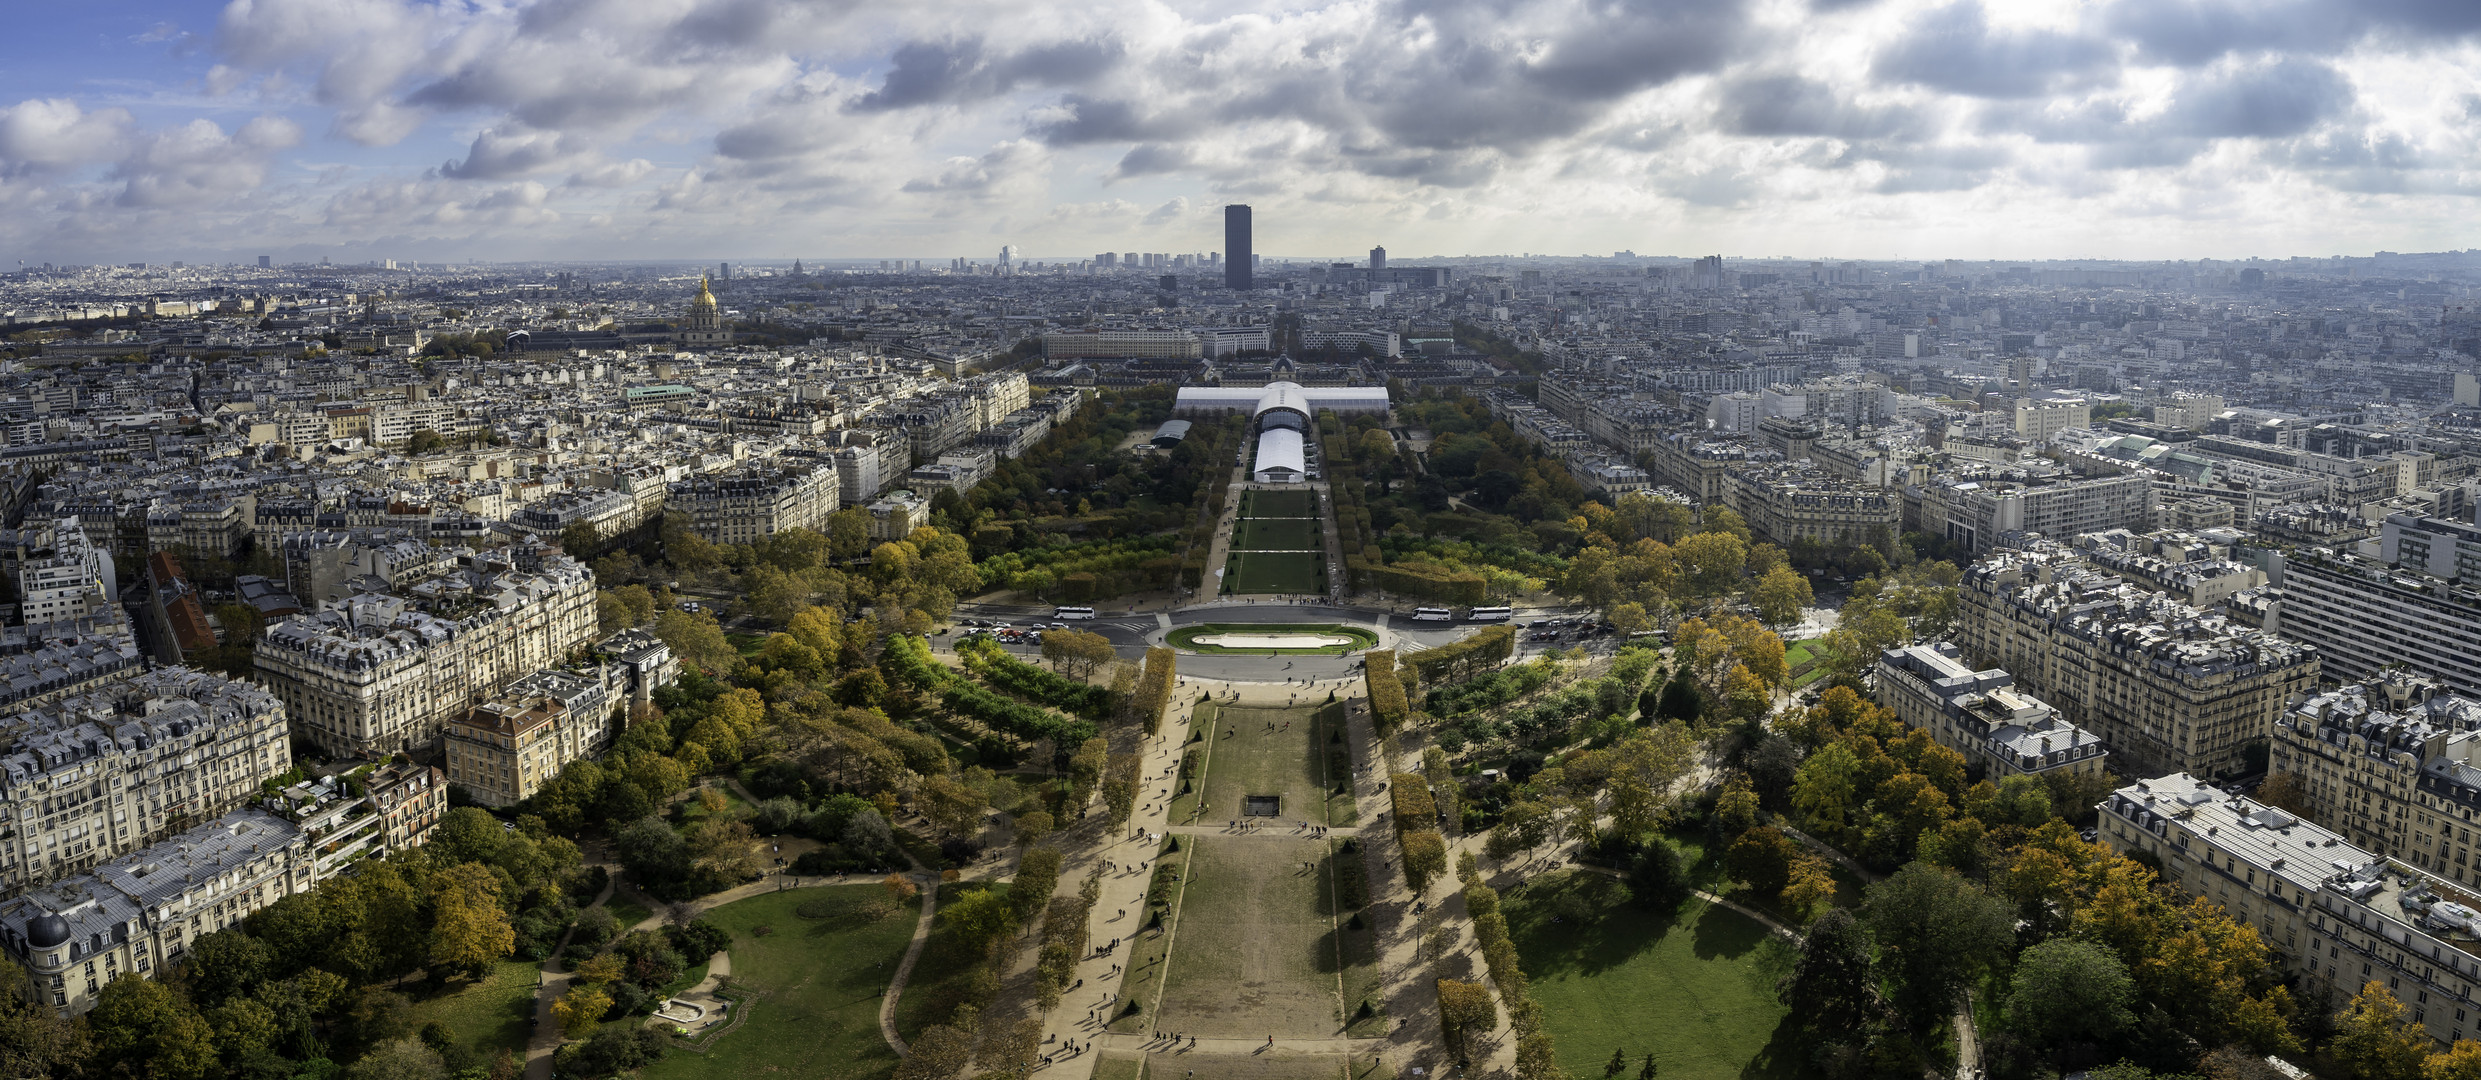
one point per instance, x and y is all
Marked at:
(1276, 572)
(939, 977)
(820, 981)
(1277, 534)
(1242, 758)
(1696, 990)
(1803, 652)
(1279, 504)
(1186, 637)
(628, 912)
(487, 1016)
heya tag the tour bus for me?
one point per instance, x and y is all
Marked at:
(1433, 614)
(1072, 613)
(1490, 614)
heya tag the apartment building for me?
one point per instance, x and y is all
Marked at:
(142, 910)
(1981, 715)
(2172, 688)
(1123, 345)
(2388, 764)
(1784, 503)
(895, 515)
(2336, 916)
(62, 576)
(2365, 617)
(2440, 547)
(1695, 466)
(375, 675)
(100, 774)
(757, 502)
(505, 749)
(399, 805)
(1980, 513)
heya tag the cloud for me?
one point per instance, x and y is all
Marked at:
(1955, 49)
(945, 72)
(504, 153)
(197, 163)
(52, 134)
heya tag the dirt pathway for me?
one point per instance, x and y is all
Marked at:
(904, 971)
(546, 1037)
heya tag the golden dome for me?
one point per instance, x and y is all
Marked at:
(705, 300)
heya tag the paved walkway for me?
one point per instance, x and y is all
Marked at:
(904, 971)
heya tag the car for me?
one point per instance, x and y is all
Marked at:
(509, 825)
(1058, 626)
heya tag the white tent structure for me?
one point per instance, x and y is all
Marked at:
(1282, 412)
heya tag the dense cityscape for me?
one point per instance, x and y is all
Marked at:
(2055, 667)
(1311, 540)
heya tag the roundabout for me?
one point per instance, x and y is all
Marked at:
(1324, 639)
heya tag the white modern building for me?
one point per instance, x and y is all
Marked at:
(1282, 413)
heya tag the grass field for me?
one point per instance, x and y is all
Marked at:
(1276, 572)
(820, 980)
(1606, 967)
(1255, 948)
(1278, 534)
(1279, 504)
(1242, 758)
(490, 1015)
(939, 977)
(1186, 637)
(1804, 652)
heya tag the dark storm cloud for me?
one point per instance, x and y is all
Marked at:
(1093, 120)
(948, 72)
(2277, 100)
(1954, 49)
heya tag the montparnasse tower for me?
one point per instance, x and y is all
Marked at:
(705, 325)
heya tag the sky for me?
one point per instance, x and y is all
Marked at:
(164, 130)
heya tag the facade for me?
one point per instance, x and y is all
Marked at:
(2365, 617)
(505, 749)
(62, 576)
(2170, 687)
(400, 804)
(142, 910)
(755, 503)
(896, 514)
(101, 774)
(2388, 764)
(1981, 715)
(1978, 515)
(1786, 503)
(1121, 345)
(2336, 916)
(377, 675)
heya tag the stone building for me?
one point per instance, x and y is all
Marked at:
(754, 503)
(1981, 715)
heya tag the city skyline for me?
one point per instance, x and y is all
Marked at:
(582, 130)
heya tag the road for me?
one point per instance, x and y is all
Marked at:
(1132, 632)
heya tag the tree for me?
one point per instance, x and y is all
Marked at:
(1534, 1057)
(581, 1009)
(2461, 1061)
(1465, 1007)
(1780, 595)
(1762, 860)
(424, 441)
(697, 638)
(1812, 883)
(1077, 653)
(1032, 826)
(401, 1059)
(1831, 989)
(142, 1028)
(2068, 990)
(2374, 1040)
(1939, 933)
(469, 931)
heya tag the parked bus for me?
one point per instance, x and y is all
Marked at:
(1490, 614)
(1072, 613)
(1433, 614)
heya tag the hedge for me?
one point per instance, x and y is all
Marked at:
(1388, 706)
(1428, 581)
(1154, 688)
(1414, 808)
(907, 660)
(1464, 659)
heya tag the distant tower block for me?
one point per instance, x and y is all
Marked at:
(1238, 262)
(1378, 258)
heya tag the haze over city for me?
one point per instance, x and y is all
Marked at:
(615, 129)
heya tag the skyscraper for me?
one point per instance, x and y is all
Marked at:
(1237, 248)
(1378, 258)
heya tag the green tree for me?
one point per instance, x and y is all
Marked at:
(1938, 933)
(1831, 989)
(1076, 653)
(141, 1028)
(1466, 1007)
(402, 1059)
(2069, 990)
(697, 639)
